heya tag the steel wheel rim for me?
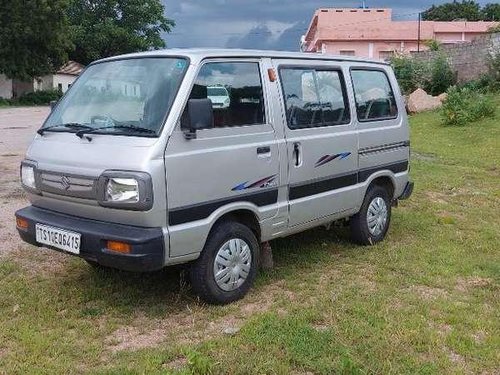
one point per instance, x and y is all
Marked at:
(232, 264)
(376, 217)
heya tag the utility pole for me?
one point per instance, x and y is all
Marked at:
(419, 25)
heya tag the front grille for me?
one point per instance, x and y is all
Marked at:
(68, 185)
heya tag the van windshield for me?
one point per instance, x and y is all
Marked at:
(120, 97)
(216, 91)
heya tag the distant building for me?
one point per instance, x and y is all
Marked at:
(372, 33)
(60, 80)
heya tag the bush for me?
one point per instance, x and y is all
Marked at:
(494, 68)
(42, 97)
(433, 44)
(463, 106)
(484, 84)
(441, 76)
(409, 72)
(434, 77)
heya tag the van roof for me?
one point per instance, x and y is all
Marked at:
(198, 54)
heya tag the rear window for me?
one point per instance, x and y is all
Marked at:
(374, 95)
(314, 97)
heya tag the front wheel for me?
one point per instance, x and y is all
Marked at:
(371, 223)
(227, 266)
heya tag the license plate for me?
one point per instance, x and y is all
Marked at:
(60, 238)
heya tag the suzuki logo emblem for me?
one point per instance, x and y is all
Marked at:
(65, 182)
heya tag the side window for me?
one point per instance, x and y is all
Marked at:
(314, 97)
(235, 89)
(374, 96)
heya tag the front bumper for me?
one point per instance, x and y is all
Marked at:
(147, 245)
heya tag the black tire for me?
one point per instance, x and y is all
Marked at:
(202, 270)
(360, 232)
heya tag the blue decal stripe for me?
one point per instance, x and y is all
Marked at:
(328, 158)
(259, 183)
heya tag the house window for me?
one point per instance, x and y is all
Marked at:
(348, 53)
(59, 86)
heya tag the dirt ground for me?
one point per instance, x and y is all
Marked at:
(17, 129)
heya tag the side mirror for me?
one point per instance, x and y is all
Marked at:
(199, 115)
(53, 104)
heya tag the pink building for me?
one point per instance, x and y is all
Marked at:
(372, 33)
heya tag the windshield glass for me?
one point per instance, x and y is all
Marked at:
(217, 91)
(123, 93)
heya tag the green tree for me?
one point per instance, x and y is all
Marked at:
(491, 12)
(102, 28)
(466, 9)
(33, 37)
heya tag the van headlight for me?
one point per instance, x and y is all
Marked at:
(122, 190)
(28, 179)
(127, 190)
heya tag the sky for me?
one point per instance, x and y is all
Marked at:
(261, 24)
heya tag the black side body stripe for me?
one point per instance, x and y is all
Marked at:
(201, 211)
(397, 167)
(337, 182)
(320, 186)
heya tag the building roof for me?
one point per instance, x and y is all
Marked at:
(336, 24)
(198, 54)
(71, 67)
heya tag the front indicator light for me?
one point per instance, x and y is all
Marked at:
(124, 190)
(119, 247)
(21, 223)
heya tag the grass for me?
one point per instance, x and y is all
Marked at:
(425, 301)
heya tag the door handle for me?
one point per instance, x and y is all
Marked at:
(297, 154)
(263, 150)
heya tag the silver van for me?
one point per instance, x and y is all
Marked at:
(137, 169)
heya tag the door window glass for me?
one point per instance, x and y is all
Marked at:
(235, 90)
(374, 96)
(314, 97)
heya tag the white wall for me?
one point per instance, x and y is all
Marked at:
(65, 80)
(43, 83)
(5, 87)
(52, 81)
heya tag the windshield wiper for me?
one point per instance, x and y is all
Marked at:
(133, 128)
(69, 125)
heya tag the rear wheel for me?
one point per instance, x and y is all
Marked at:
(371, 223)
(227, 266)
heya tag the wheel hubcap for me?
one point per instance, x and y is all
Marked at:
(232, 264)
(376, 216)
